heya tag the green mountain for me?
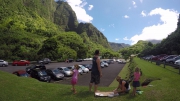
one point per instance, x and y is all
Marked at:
(118, 46)
(33, 29)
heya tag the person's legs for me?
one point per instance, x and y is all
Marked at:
(134, 91)
(95, 87)
(90, 86)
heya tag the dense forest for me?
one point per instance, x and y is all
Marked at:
(169, 45)
(35, 29)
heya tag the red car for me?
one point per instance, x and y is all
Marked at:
(21, 63)
(21, 73)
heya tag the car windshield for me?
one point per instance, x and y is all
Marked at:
(82, 66)
(56, 71)
(66, 69)
(24, 75)
(42, 73)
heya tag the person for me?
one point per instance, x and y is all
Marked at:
(123, 86)
(75, 78)
(136, 82)
(96, 72)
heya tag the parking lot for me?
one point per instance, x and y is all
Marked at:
(109, 73)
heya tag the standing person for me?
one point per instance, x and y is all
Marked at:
(136, 82)
(96, 72)
(75, 78)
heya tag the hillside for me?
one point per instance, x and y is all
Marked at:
(33, 29)
(118, 46)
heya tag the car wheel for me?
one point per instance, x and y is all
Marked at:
(3, 65)
(15, 64)
(26, 64)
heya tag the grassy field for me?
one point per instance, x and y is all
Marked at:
(165, 87)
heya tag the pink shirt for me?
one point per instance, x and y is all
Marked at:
(136, 76)
(75, 74)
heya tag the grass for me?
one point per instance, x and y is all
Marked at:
(15, 88)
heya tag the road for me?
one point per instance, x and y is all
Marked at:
(109, 73)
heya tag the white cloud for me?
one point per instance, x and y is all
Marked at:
(141, 1)
(143, 13)
(90, 7)
(78, 7)
(167, 24)
(134, 4)
(126, 16)
(116, 39)
(125, 38)
(102, 30)
(111, 25)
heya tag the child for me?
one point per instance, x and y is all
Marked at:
(75, 78)
(136, 82)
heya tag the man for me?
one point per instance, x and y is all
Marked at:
(96, 72)
(123, 86)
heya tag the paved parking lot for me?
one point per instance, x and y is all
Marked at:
(109, 73)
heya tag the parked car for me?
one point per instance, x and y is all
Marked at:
(79, 60)
(3, 63)
(158, 57)
(21, 73)
(55, 73)
(105, 64)
(21, 63)
(84, 69)
(167, 57)
(44, 61)
(102, 65)
(70, 60)
(40, 75)
(65, 71)
(89, 66)
(28, 69)
(172, 60)
(177, 62)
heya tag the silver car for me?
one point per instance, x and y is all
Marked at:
(65, 71)
(3, 63)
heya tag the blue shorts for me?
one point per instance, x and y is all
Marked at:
(136, 83)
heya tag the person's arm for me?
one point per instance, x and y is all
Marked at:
(119, 86)
(99, 66)
(123, 89)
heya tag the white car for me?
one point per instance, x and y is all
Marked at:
(177, 62)
(3, 63)
(105, 64)
(65, 71)
(84, 69)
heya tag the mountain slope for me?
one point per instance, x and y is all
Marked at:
(118, 46)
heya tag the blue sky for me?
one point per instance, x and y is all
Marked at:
(127, 21)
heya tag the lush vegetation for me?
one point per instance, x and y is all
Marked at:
(34, 29)
(164, 86)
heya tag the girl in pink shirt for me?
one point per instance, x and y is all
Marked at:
(75, 78)
(136, 82)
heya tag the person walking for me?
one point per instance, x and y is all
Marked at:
(96, 72)
(136, 82)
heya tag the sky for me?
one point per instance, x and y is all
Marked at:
(128, 21)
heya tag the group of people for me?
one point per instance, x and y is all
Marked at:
(96, 74)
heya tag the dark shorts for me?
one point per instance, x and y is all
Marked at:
(95, 79)
(136, 83)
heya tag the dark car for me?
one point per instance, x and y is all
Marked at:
(70, 60)
(79, 60)
(21, 73)
(55, 73)
(40, 75)
(44, 61)
(28, 69)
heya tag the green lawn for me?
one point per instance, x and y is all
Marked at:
(27, 89)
